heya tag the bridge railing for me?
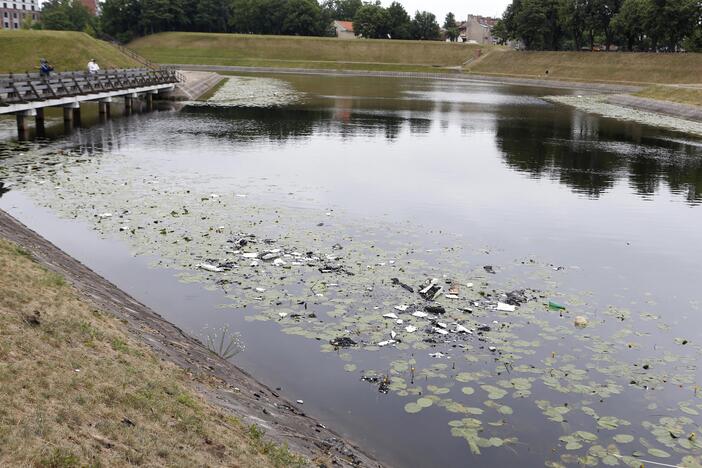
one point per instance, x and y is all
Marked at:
(27, 87)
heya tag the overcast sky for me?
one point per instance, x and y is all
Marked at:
(460, 8)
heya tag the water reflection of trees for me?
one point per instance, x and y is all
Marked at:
(247, 124)
(590, 154)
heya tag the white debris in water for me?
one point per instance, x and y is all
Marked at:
(419, 314)
(282, 314)
(251, 255)
(385, 343)
(410, 329)
(437, 355)
(401, 308)
(210, 267)
(501, 306)
(390, 316)
(104, 215)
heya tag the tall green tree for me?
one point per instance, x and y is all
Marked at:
(66, 15)
(399, 22)
(425, 27)
(211, 15)
(573, 19)
(372, 21)
(531, 24)
(451, 27)
(600, 14)
(302, 18)
(629, 23)
(342, 9)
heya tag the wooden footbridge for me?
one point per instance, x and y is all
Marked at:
(27, 95)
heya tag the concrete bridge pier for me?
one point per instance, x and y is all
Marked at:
(150, 100)
(39, 121)
(70, 116)
(23, 122)
(104, 108)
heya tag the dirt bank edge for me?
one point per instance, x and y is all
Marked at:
(235, 391)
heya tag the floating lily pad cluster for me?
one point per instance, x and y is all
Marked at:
(444, 332)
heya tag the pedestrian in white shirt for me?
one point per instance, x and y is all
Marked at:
(93, 67)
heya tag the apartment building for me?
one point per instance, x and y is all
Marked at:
(14, 12)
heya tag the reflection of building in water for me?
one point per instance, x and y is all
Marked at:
(343, 106)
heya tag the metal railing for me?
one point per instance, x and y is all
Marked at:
(27, 87)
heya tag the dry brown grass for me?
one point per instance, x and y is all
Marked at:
(691, 96)
(611, 67)
(76, 389)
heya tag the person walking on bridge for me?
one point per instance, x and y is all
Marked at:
(44, 68)
(93, 67)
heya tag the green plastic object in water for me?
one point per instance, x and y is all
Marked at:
(555, 306)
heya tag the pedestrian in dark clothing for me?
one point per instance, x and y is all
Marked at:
(45, 69)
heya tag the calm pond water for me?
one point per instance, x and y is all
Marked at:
(285, 210)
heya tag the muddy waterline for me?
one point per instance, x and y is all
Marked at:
(337, 185)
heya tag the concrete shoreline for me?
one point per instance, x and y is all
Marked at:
(236, 391)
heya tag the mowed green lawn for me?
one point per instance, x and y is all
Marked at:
(607, 67)
(301, 52)
(21, 50)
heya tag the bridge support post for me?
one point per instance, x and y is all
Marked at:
(76, 117)
(70, 116)
(128, 104)
(23, 123)
(39, 120)
(149, 102)
(104, 109)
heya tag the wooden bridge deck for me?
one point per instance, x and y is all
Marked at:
(23, 92)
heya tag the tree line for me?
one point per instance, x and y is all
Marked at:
(633, 25)
(127, 19)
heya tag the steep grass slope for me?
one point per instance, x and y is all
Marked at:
(21, 50)
(611, 67)
(306, 52)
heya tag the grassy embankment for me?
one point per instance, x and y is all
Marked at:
(20, 51)
(302, 52)
(674, 94)
(76, 389)
(612, 67)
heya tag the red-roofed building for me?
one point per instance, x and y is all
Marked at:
(344, 29)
